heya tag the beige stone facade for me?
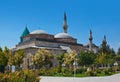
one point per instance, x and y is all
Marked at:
(56, 44)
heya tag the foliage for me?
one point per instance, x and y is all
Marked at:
(107, 54)
(20, 76)
(81, 70)
(42, 71)
(90, 73)
(54, 71)
(17, 58)
(4, 56)
(86, 58)
(107, 71)
(69, 59)
(42, 57)
(117, 58)
(67, 72)
(118, 52)
(102, 58)
(60, 59)
(49, 72)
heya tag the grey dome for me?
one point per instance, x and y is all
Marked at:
(62, 35)
(39, 32)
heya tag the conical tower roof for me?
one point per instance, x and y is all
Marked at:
(25, 32)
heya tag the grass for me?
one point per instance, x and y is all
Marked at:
(82, 75)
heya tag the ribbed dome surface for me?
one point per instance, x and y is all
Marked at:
(39, 32)
(62, 35)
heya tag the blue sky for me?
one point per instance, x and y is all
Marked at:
(101, 16)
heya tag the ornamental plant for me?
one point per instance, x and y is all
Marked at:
(20, 76)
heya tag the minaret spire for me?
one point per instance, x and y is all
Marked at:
(65, 26)
(90, 41)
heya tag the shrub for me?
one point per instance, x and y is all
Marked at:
(90, 73)
(53, 71)
(81, 70)
(42, 71)
(66, 71)
(107, 71)
(20, 76)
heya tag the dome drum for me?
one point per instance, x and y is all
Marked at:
(68, 40)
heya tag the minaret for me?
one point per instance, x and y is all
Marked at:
(65, 26)
(90, 41)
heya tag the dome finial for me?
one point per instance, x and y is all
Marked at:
(65, 26)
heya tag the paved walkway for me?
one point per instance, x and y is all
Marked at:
(113, 78)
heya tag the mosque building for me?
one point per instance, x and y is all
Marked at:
(56, 44)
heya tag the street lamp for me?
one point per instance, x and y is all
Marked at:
(116, 64)
(75, 64)
(63, 65)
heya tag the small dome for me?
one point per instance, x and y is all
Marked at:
(62, 35)
(39, 32)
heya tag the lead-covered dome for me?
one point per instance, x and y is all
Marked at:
(62, 35)
(39, 32)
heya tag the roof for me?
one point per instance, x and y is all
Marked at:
(93, 45)
(25, 32)
(62, 35)
(39, 32)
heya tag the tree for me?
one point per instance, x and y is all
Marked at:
(102, 59)
(70, 58)
(86, 58)
(42, 57)
(4, 56)
(3, 60)
(60, 58)
(118, 52)
(17, 58)
(105, 59)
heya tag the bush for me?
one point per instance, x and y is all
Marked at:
(107, 71)
(91, 73)
(66, 71)
(2, 68)
(49, 72)
(81, 70)
(52, 71)
(20, 76)
(42, 71)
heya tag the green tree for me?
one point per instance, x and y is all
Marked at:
(106, 53)
(4, 56)
(102, 59)
(42, 57)
(118, 52)
(16, 58)
(86, 58)
(60, 59)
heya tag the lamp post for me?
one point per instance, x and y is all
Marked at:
(115, 64)
(63, 65)
(75, 64)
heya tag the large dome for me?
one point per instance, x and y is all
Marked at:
(62, 35)
(39, 32)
